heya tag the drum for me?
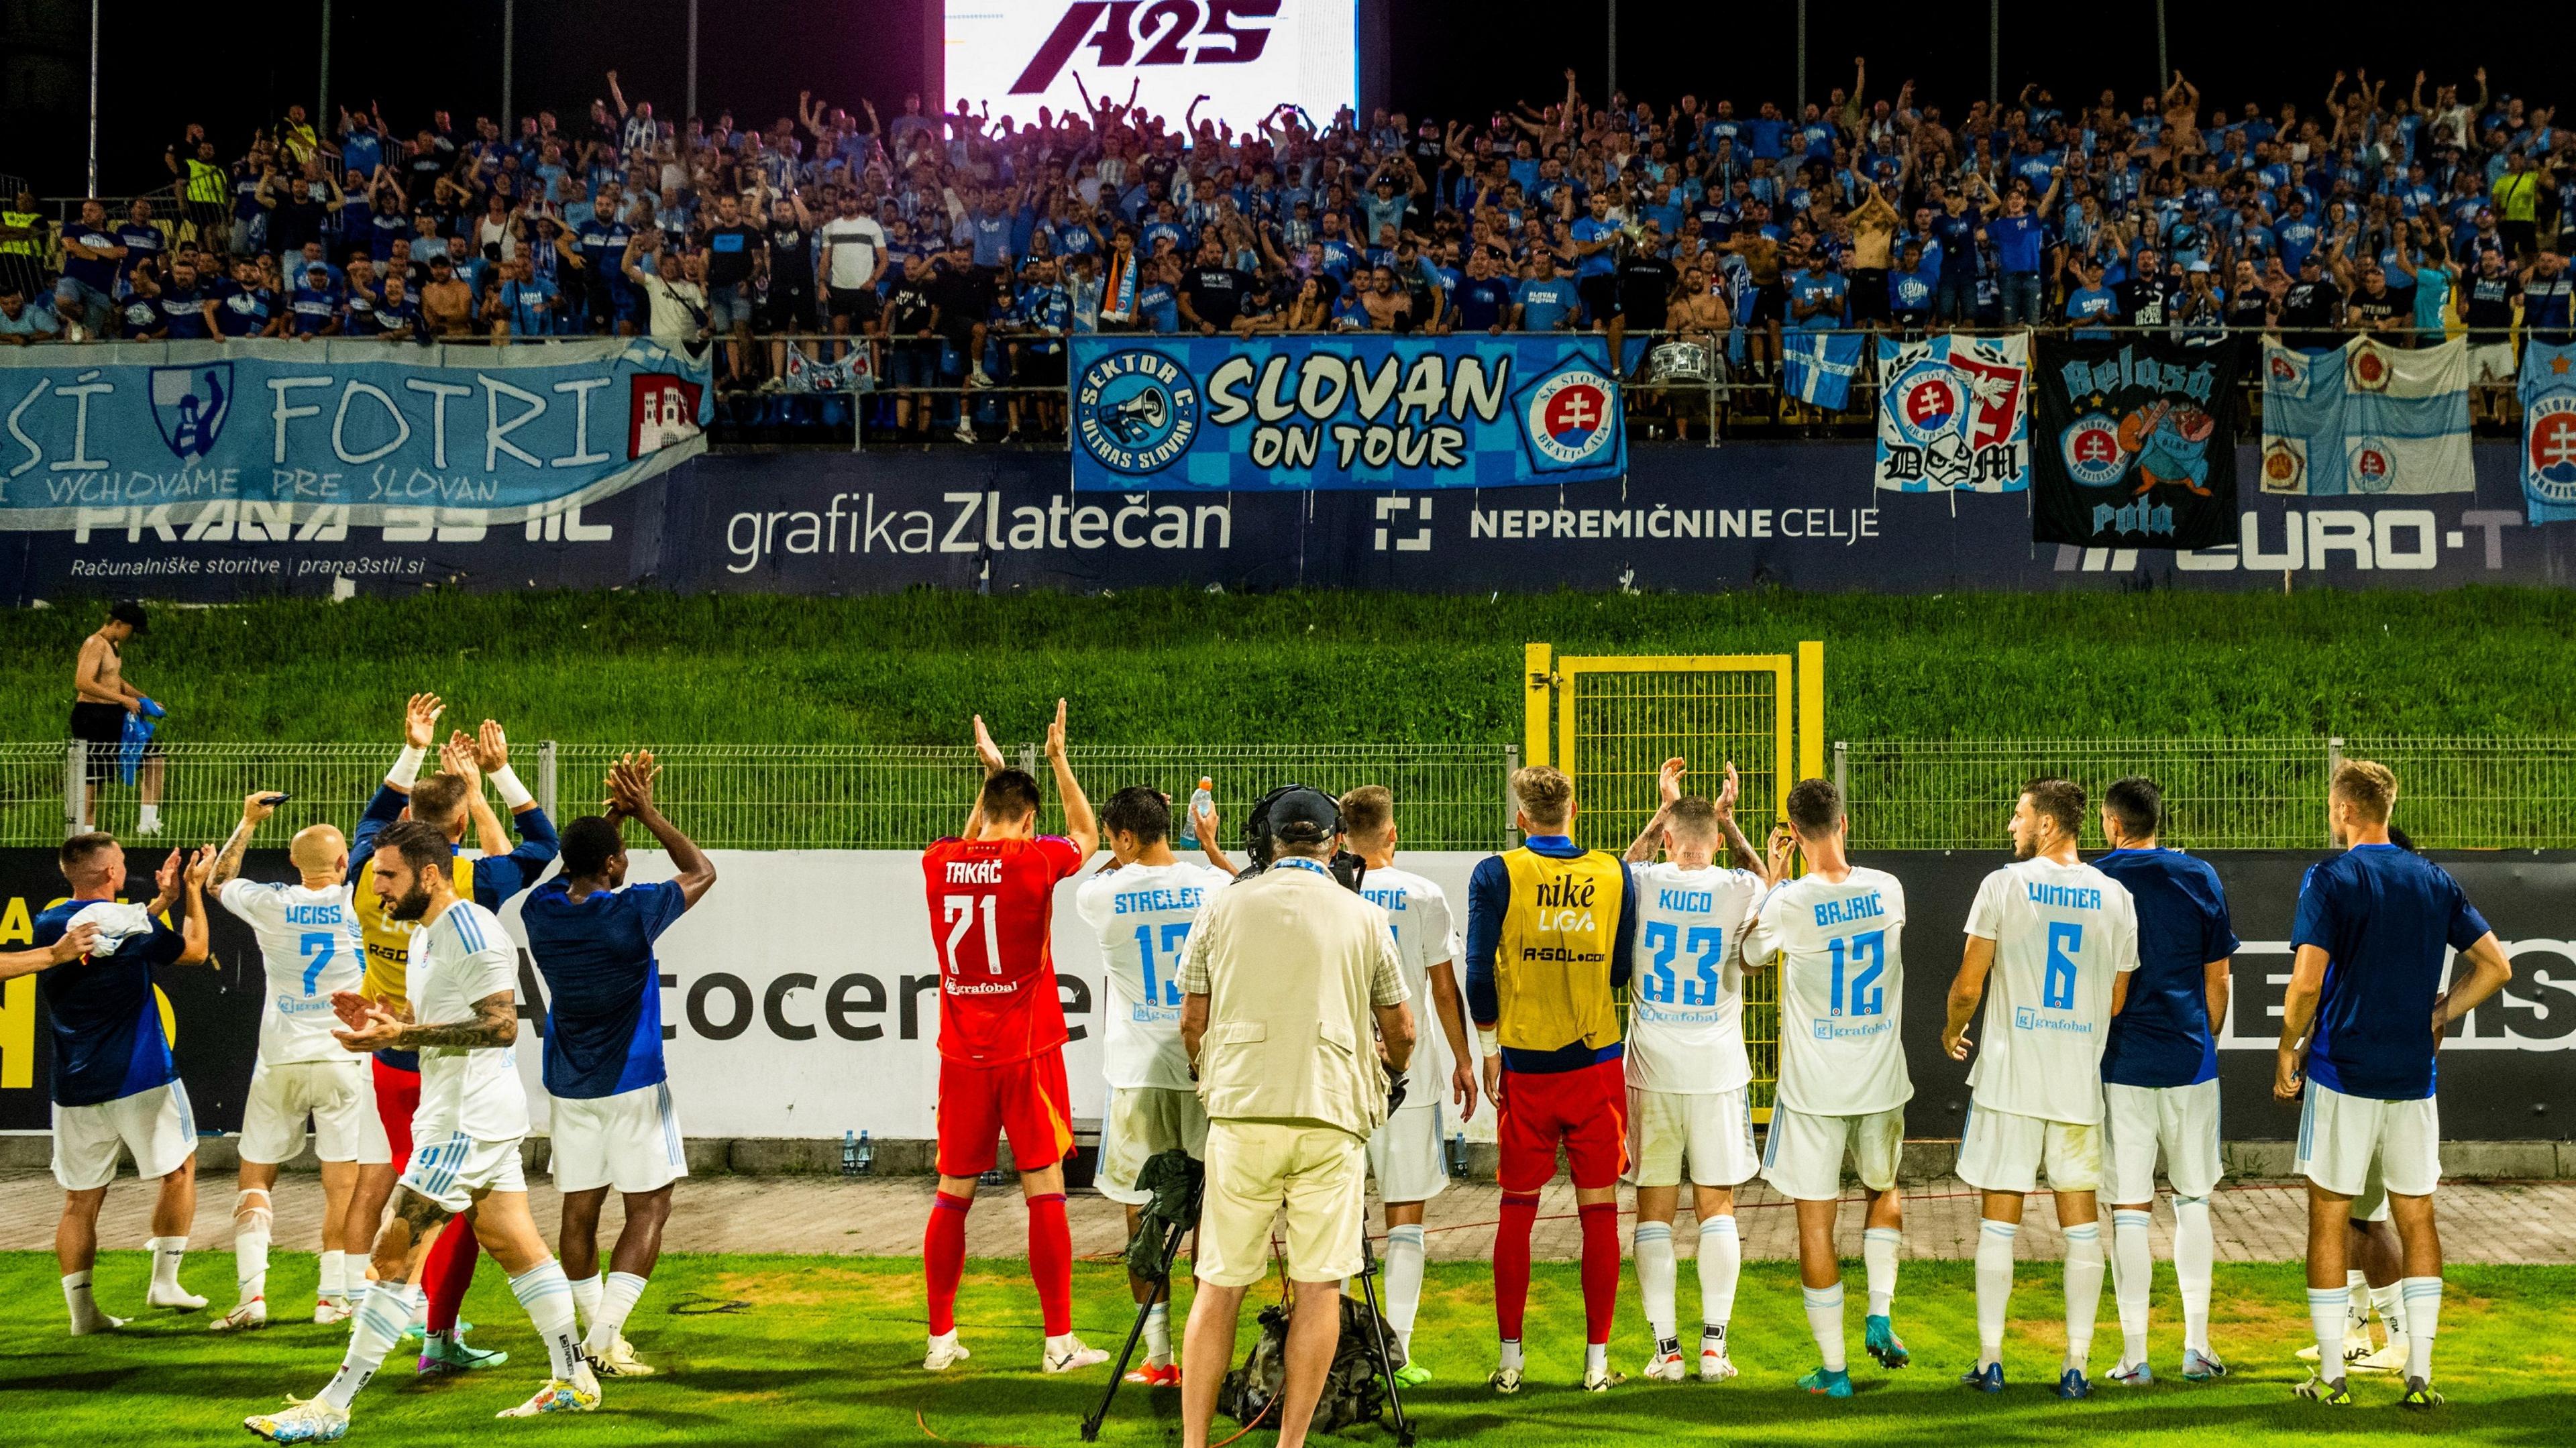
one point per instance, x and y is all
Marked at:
(1676, 362)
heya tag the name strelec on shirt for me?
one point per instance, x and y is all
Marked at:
(1146, 902)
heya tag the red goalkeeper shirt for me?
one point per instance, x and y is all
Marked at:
(991, 905)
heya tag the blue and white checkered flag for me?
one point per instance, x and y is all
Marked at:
(1821, 365)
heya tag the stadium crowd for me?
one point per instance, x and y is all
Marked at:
(973, 244)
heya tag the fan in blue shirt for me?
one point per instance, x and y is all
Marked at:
(1547, 300)
(314, 305)
(591, 935)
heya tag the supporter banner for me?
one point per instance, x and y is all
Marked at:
(284, 440)
(782, 1020)
(2135, 450)
(1820, 366)
(1686, 519)
(2549, 431)
(1361, 411)
(1954, 415)
(2366, 418)
(1229, 61)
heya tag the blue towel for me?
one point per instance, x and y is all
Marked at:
(139, 725)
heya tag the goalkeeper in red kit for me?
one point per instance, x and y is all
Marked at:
(1001, 1034)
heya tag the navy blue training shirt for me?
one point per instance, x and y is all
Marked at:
(108, 1042)
(2163, 1035)
(603, 987)
(2382, 915)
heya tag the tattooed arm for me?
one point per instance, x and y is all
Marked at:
(374, 1027)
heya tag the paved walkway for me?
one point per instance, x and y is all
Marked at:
(2255, 1221)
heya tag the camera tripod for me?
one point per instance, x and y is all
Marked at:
(1379, 1359)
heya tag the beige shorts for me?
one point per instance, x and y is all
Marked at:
(2003, 1151)
(1255, 1169)
(1141, 1123)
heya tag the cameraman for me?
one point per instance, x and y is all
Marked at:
(1283, 974)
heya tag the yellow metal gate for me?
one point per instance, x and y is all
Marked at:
(1610, 721)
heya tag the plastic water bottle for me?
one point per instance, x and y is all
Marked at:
(867, 1156)
(1202, 802)
(849, 1153)
(1458, 1155)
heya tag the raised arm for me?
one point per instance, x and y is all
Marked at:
(630, 793)
(256, 806)
(1080, 825)
(1668, 789)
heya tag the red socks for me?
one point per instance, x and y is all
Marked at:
(1600, 1268)
(1051, 1262)
(1512, 1262)
(447, 1272)
(943, 1258)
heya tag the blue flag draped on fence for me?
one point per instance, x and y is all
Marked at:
(2549, 431)
(1343, 411)
(314, 436)
(1821, 365)
(2366, 418)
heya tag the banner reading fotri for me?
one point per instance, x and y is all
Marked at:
(1272, 413)
(318, 436)
(2135, 449)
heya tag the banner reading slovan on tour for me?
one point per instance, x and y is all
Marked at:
(304, 439)
(1272, 413)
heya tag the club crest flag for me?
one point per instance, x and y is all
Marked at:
(2549, 431)
(2366, 418)
(1954, 414)
(1820, 366)
(2135, 449)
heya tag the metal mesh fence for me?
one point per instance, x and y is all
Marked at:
(2453, 793)
(1627, 722)
(758, 797)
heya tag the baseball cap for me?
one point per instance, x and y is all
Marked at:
(1306, 815)
(2198, 265)
(131, 614)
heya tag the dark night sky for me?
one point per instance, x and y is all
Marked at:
(1449, 57)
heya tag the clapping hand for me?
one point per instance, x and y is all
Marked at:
(420, 720)
(1727, 792)
(1668, 781)
(987, 753)
(373, 1029)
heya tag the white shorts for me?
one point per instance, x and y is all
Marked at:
(2003, 1151)
(2490, 362)
(338, 1095)
(455, 1169)
(1802, 1157)
(2183, 1120)
(1712, 1130)
(155, 1125)
(630, 1141)
(1139, 1124)
(2357, 1147)
(1404, 1156)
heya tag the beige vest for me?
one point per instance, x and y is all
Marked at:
(1291, 1034)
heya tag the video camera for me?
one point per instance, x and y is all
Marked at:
(1261, 838)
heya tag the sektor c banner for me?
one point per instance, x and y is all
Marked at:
(316, 437)
(1294, 413)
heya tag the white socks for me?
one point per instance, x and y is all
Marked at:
(381, 1319)
(1994, 1286)
(2083, 1290)
(616, 1301)
(1596, 1359)
(1656, 1275)
(2389, 1303)
(2195, 1249)
(2356, 1291)
(335, 1277)
(1721, 1262)
(148, 819)
(86, 1318)
(585, 1296)
(2133, 1265)
(543, 1291)
(1825, 1320)
(251, 1224)
(1403, 1283)
(1510, 1357)
(2328, 1307)
(1158, 1334)
(2423, 1298)
(165, 1290)
(1878, 1255)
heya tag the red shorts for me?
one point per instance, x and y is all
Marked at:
(1585, 1111)
(397, 1097)
(1029, 1099)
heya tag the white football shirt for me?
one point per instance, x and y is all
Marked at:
(1686, 979)
(1840, 947)
(458, 959)
(309, 947)
(1425, 935)
(1143, 914)
(2061, 932)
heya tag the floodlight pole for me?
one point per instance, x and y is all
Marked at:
(691, 108)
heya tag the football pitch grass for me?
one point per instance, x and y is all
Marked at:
(797, 1350)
